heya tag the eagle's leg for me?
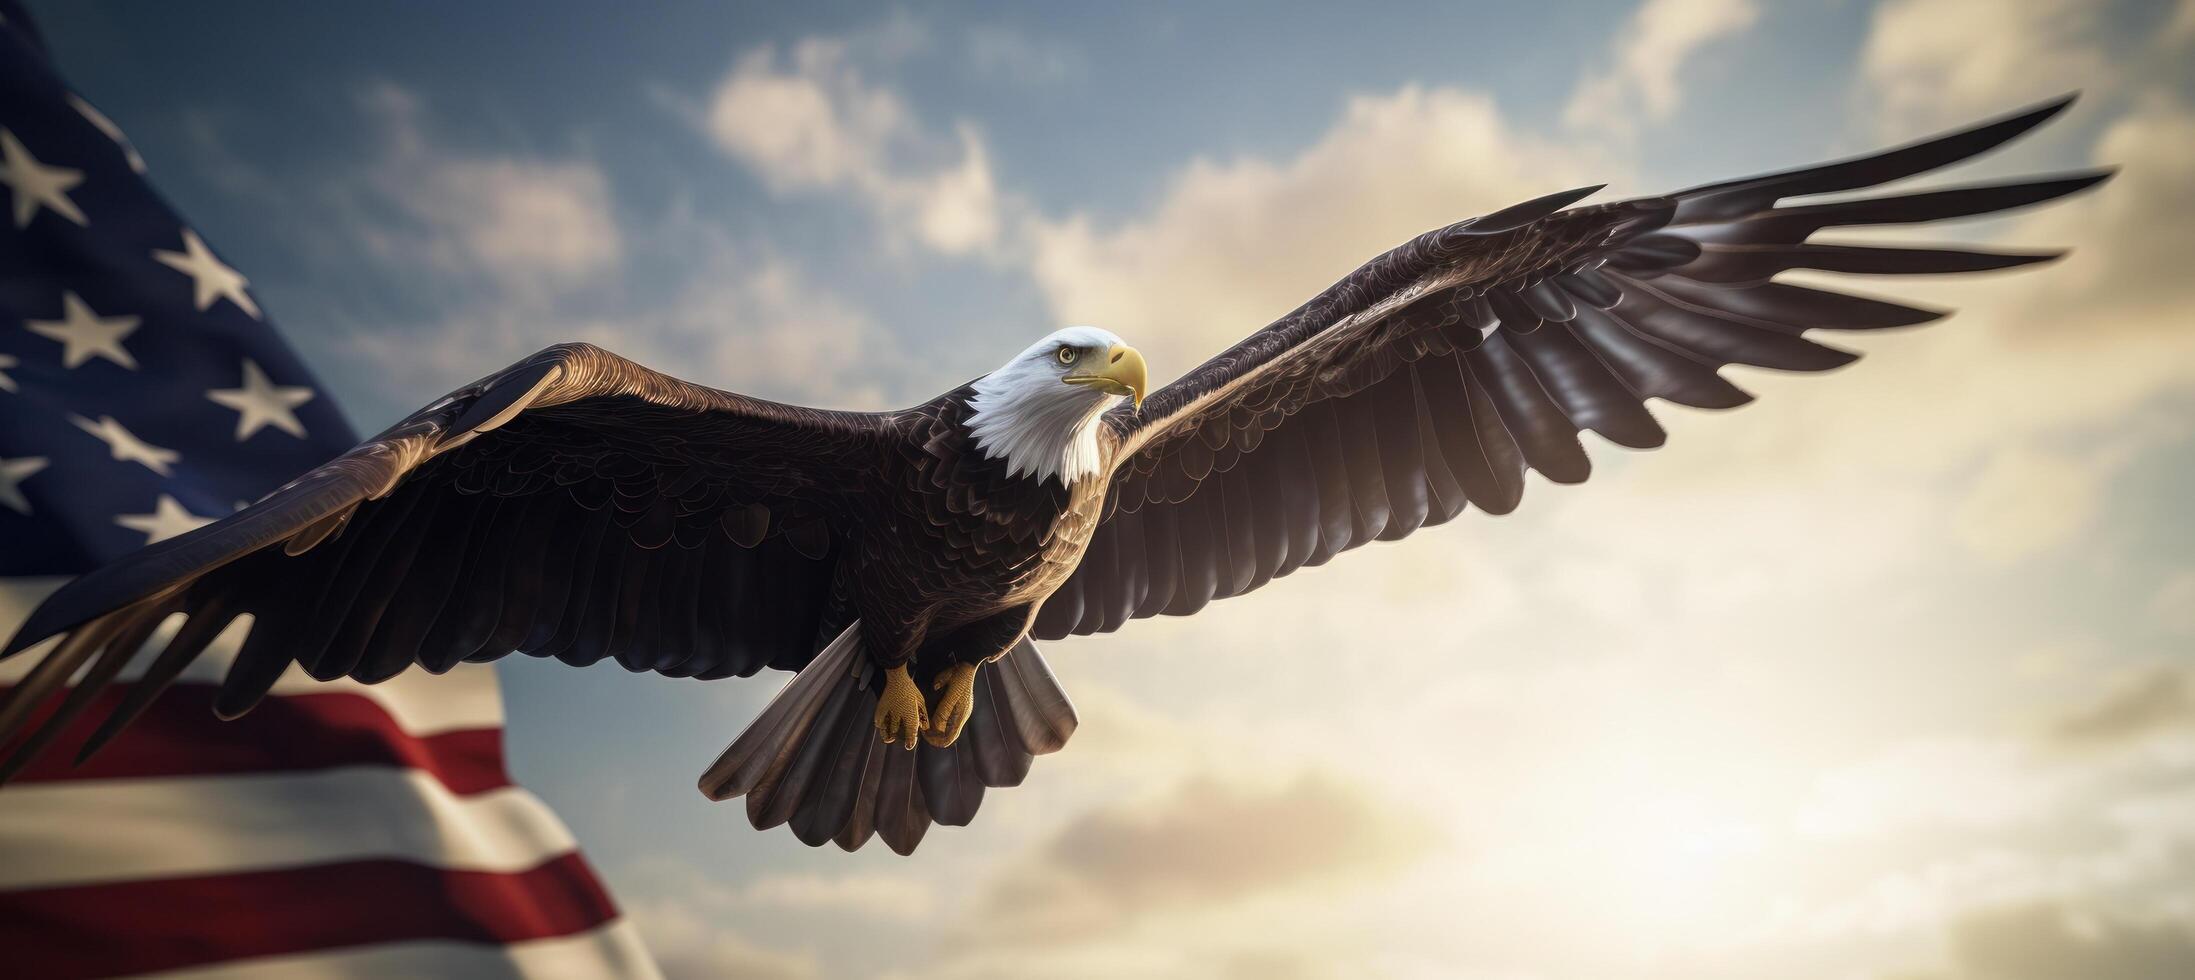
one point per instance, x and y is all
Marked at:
(968, 648)
(900, 713)
(955, 702)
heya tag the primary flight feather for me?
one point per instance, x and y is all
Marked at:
(580, 506)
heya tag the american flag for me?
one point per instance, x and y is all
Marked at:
(338, 830)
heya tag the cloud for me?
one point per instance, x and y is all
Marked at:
(2089, 810)
(1966, 783)
(1935, 63)
(743, 318)
(2159, 699)
(2173, 605)
(1234, 244)
(701, 923)
(2047, 942)
(519, 221)
(2028, 502)
(808, 120)
(690, 945)
(1207, 876)
(2130, 232)
(755, 321)
(1205, 843)
(1994, 782)
(880, 896)
(495, 256)
(529, 218)
(1651, 51)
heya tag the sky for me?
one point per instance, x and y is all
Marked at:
(1885, 677)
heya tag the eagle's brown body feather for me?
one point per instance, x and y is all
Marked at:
(963, 552)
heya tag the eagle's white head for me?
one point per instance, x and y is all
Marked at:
(1039, 412)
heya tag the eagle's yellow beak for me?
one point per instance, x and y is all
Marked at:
(1120, 372)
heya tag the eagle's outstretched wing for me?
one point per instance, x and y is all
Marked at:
(1436, 374)
(575, 505)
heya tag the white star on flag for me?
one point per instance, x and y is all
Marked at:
(84, 334)
(125, 446)
(113, 132)
(261, 402)
(36, 185)
(211, 279)
(168, 518)
(12, 474)
(6, 362)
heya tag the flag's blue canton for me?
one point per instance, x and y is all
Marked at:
(141, 392)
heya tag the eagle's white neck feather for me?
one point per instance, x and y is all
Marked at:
(1042, 427)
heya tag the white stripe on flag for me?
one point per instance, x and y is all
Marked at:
(611, 951)
(73, 833)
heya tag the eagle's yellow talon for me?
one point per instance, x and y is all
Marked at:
(953, 707)
(899, 708)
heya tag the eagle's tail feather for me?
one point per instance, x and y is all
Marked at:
(813, 758)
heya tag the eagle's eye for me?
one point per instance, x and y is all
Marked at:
(1067, 355)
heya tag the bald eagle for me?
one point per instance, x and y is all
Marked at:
(580, 506)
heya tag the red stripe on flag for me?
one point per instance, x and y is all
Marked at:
(181, 922)
(178, 735)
